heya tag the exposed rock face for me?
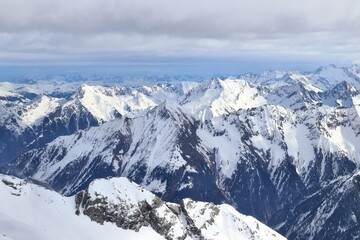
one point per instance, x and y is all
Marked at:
(335, 206)
(130, 206)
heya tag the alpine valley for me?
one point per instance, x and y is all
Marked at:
(181, 159)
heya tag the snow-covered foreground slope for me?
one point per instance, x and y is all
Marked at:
(110, 206)
(28, 211)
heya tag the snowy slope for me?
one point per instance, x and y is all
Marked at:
(7, 90)
(28, 211)
(328, 76)
(103, 101)
(39, 108)
(226, 222)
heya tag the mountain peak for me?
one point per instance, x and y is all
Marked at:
(326, 68)
(119, 188)
(213, 83)
(170, 109)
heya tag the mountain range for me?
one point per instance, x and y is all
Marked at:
(279, 146)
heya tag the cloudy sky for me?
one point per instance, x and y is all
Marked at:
(249, 34)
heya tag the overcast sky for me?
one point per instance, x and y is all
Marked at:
(143, 31)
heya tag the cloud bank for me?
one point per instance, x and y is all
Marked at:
(42, 30)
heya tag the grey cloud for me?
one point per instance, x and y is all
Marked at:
(211, 18)
(176, 28)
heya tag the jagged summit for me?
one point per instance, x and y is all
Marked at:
(217, 97)
(169, 108)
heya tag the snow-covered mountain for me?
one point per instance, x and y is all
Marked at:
(218, 97)
(116, 208)
(35, 113)
(207, 160)
(262, 143)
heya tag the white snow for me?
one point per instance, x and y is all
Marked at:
(342, 139)
(6, 90)
(299, 145)
(305, 81)
(224, 222)
(326, 77)
(103, 101)
(39, 109)
(30, 212)
(116, 189)
(218, 97)
(226, 145)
